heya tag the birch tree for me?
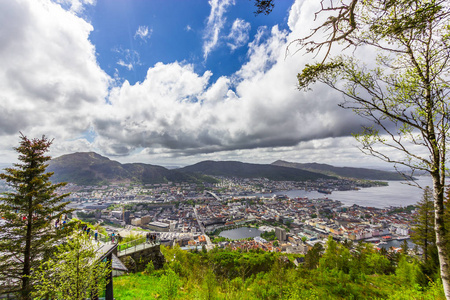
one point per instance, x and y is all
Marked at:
(73, 272)
(404, 92)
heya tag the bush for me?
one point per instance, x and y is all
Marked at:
(149, 268)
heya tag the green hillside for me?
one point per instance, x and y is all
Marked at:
(347, 172)
(89, 168)
(337, 274)
(246, 170)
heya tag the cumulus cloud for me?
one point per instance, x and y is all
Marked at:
(143, 33)
(50, 79)
(239, 34)
(181, 112)
(215, 24)
(255, 115)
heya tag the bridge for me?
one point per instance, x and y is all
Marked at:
(131, 247)
(214, 195)
(135, 246)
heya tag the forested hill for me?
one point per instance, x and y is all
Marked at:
(246, 170)
(89, 168)
(348, 172)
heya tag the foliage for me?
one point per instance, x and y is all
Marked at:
(269, 235)
(72, 272)
(407, 271)
(149, 268)
(131, 237)
(313, 256)
(169, 285)
(224, 274)
(408, 209)
(424, 236)
(29, 210)
(264, 6)
(404, 91)
(220, 239)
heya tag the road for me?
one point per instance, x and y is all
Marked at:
(209, 244)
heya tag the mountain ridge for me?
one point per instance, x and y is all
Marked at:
(346, 172)
(248, 170)
(90, 168)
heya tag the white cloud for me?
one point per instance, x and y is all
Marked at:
(76, 6)
(127, 58)
(239, 34)
(51, 84)
(143, 33)
(214, 25)
(50, 79)
(129, 66)
(178, 112)
(188, 28)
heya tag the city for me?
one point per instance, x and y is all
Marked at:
(189, 214)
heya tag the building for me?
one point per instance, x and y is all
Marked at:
(158, 226)
(127, 217)
(280, 233)
(117, 214)
(145, 220)
(136, 222)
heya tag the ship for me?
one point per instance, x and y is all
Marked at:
(324, 191)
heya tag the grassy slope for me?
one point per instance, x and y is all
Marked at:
(260, 276)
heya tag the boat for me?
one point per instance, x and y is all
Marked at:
(324, 191)
(386, 238)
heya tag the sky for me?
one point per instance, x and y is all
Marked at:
(168, 82)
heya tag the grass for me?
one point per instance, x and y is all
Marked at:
(135, 287)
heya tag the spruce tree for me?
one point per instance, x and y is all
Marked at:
(423, 233)
(29, 212)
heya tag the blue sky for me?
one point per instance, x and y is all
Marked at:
(131, 36)
(168, 82)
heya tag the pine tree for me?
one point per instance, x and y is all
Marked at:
(29, 211)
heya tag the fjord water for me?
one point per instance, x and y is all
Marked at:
(397, 193)
(240, 233)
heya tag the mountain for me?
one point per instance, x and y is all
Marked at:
(348, 172)
(89, 168)
(246, 170)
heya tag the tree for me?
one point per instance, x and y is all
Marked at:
(170, 283)
(404, 246)
(313, 256)
(73, 272)
(423, 233)
(28, 212)
(406, 95)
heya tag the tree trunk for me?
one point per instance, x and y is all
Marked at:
(441, 232)
(27, 260)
